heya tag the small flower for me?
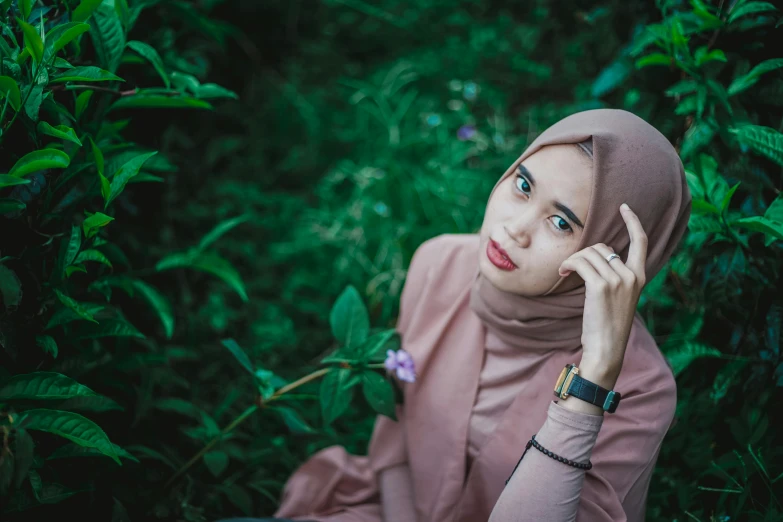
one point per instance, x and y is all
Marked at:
(466, 132)
(433, 120)
(401, 362)
(469, 91)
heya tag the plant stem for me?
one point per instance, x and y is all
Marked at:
(247, 413)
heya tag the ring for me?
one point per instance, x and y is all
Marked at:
(610, 257)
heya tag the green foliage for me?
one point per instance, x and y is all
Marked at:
(361, 131)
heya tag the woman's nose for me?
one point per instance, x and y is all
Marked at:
(519, 231)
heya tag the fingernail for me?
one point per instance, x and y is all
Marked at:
(624, 206)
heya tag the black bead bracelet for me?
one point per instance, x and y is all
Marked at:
(533, 442)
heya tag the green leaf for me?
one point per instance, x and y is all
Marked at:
(75, 450)
(159, 303)
(26, 7)
(698, 136)
(775, 209)
(761, 224)
(149, 52)
(74, 305)
(84, 10)
(379, 394)
(703, 56)
(125, 173)
(42, 386)
(611, 77)
(206, 262)
(93, 255)
(159, 101)
(70, 270)
(10, 181)
(221, 229)
(750, 8)
(684, 354)
(683, 87)
(763, 140)
(349, 319)
(9, 87)
(32, 40)
(66, 315)
(23, 453)
(654, 59)
(87, 73)
(239, 354)
(71, 426)
(293, 420)
(95, 222)
(727, 198)
(82, 101)
(10, 205)
(97, 403)
(69, 249)
(108, 37)
(32, 105)
(109, 328)
(746, 81)
(179, 406)
(216, 462)
(47, 344)
(40, 160)
(335, 394)
(62, 35)
(10, 288)
(61, 131)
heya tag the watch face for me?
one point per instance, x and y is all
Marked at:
(560, 381)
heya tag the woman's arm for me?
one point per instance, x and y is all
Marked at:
(542, 488)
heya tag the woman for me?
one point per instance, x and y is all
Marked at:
(492, 319)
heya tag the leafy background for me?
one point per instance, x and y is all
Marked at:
(207, 209)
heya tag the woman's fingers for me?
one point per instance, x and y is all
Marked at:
(637, 253)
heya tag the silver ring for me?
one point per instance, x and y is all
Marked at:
(610, 257)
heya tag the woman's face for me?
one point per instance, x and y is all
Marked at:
(537, 215)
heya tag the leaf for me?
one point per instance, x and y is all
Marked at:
(74, 305)
(47, 344)
(88, 403)
(10, 205)
(10, 288)
(216, 462)
(240, 497)
(206, 262)
(32, 40)
(746, 81)
(761, 224)
(108, 37)
(684, 354)
(727, 198)
(379, 394)
(71, 426)
(40, 160)
(82, 101)
(93, 255)
(749, 8)
(10, 181)
(61, 35)
(159, 303)
(86, 73)
(23, 452)
(66, 315)
(109, 328)
(179, 406)
(61, 131)
(223, 227)
(33, 104)
(698, 136)
(335, 395)
(239, 354)
(42, 386)
(763, 140)
(9, 87)
(159, 101)
(149, 52)
(294, 421)
(654, 59)
(775, 209)
(94, 222)
(84, 10)
(125, 173)
(75, 450)
(349, 319)
(26, 7)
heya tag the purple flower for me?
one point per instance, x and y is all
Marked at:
(401, 362)
(466, 132)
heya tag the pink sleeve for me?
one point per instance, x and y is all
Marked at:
(397, 494)
(542, 488)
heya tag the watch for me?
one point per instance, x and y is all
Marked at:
(571, 384)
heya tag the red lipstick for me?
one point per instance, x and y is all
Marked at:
(499, 257)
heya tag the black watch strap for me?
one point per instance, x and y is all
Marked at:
(594, 394)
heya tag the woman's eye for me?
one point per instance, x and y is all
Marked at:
(562, 224)
(522, 184)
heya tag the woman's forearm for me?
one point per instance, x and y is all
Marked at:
(542, 488)
(397, 494)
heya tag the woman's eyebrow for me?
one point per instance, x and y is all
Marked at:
(562, 208)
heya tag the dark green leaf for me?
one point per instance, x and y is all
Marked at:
(42, 386)
(40, 160)
(335, 394)
(206, 262)
(87, 73)
(763, 140)
(61, 131)
(349, 319)
(746, 81)
(47, 344)
(294, 421)
(10, 288)
(379, 394)
(108, 37)
(109, 328)
(223, 227)
(84, 10)
(747, 8)
(159, 101)
(75, 450)
(62, 35)
(74, 305)
(9, 87)
(149, 52)
(125, 173)
(10, 181)
(239, 354)
(32, 40)
(216, 462)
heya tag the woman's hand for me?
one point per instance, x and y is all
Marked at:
(612, 291)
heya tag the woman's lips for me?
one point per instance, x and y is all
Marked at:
(498, 256)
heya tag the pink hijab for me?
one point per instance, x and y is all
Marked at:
(445, 311)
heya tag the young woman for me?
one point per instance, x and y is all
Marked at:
(492, 320)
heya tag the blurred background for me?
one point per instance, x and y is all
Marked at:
(195, 195)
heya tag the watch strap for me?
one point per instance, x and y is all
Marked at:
(588, 391)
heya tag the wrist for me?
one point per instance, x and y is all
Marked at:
(602, 374)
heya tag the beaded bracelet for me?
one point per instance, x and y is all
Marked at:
(533, 442)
